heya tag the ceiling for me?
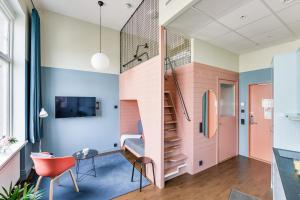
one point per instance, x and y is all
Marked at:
(114, 13)
(241, 26)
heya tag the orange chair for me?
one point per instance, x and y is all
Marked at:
(53, 168)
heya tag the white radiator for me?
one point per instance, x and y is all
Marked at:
(10, 172)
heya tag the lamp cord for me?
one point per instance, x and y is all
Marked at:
(32, 4)
(100, 29)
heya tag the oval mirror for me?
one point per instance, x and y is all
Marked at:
(209, 114)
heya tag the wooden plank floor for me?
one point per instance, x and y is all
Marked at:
(247, 175)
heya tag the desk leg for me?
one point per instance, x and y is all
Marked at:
(77, 169)
(94, 167)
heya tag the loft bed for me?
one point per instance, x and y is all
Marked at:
(134, 142)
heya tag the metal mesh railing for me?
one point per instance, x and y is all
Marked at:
(178, 48)
(139, 37)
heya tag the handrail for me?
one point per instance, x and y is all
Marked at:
(169, 62)
(138, 58)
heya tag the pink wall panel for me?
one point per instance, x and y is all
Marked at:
(194, 79)
(206, 77)
(144, 84)
(129, 115)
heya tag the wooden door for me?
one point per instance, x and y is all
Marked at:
(228, 107)
(260, 122)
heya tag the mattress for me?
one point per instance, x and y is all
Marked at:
(136, 144)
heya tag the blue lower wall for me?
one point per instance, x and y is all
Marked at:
(66, 136)
(246, 78)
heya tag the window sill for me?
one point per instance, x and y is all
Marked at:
(7, 156)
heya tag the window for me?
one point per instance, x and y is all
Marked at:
(227, 100)
(5, 70)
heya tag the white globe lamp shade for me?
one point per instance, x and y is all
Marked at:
(100, 61)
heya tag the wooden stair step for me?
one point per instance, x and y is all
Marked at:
(169, 113)
(176, 158)
(172, 139)
(170, 129)
(168, 106)
(174, 165)
(167, 145)
(171, 122)
(174, 169)
(171, 149)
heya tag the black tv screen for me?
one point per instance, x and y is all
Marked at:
(66, 107)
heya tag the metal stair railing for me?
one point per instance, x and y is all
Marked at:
(168, 62)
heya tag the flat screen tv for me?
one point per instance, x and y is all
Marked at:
(66, 107)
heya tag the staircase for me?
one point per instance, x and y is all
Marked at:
(174, 159)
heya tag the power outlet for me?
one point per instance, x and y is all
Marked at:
(115, 144)
(200, 163)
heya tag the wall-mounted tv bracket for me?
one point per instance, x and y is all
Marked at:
(97, 105)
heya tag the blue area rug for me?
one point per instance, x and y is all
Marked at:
(113, 180)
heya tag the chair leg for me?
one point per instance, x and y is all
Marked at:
(51, 189)
(38, 184)
(132, 174)
(153, 173)
(141, 177)
(74, 181)
(57, 181)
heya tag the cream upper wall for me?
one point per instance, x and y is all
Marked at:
(173, 9)
(70, 43)
(205, 53)
(263, 58)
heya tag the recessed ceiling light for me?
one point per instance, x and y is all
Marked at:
(243, 17)
(128, 5)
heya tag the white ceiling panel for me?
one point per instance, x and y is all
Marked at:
(295, 27)
(190, 22)
(245, 14)
(266, 23)
(277, 5)
(273, 36)
(290, 14)
(261, 26)
(211, 31)
(232, 40)
(219, 8)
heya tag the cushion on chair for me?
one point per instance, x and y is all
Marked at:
(136, 145)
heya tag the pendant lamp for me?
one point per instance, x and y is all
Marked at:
(99, 60)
